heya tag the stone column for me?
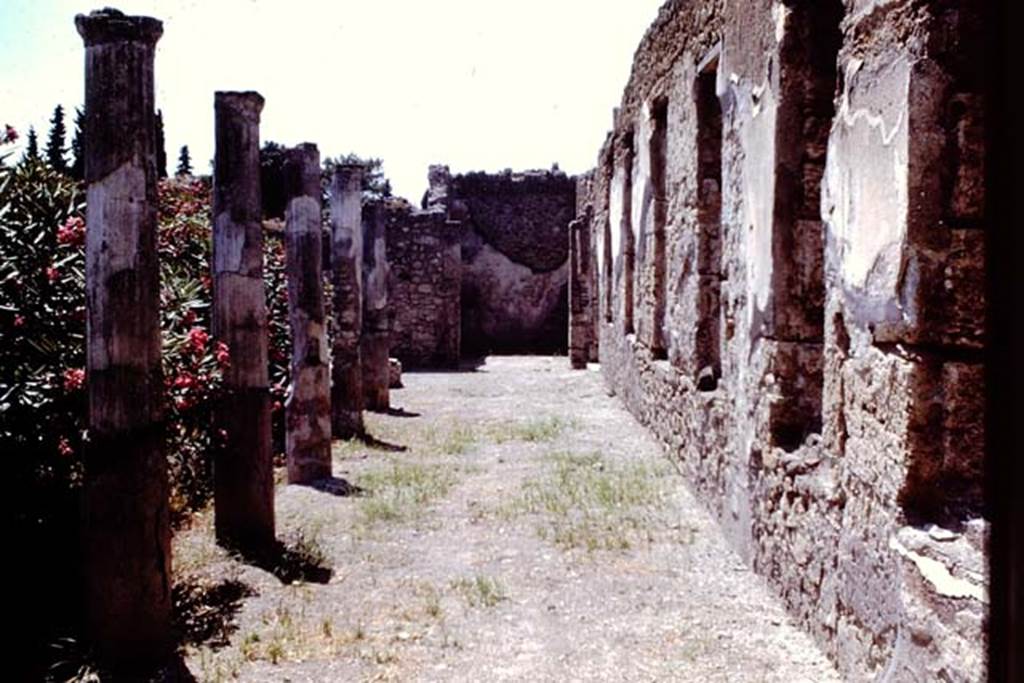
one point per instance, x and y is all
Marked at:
(126, 542)
(594, 290)
(243, 468)
(375, 343)
(308, 408)
(347, 312)
(579, 301)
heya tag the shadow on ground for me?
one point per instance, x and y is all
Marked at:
(336, 486)
(204, 612)
(381, 445)
(297, 560)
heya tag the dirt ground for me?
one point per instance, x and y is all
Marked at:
(532, 531)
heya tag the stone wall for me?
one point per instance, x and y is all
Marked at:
(515, 256)
(787, 225)
(424, 254)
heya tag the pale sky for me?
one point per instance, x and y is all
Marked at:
(476, 84)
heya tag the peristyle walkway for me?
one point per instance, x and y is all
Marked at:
(532, 531)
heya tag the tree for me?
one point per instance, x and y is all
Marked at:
(55, 148)
(32, 151)
(375, 183)
(271, 186)
(161, 146)
(184, 162)
(77, 170)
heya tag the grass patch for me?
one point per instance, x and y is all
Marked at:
(455, 440)
(480, 591)
(584, 502)
(399, 490)
(536, 430)
(431, 601)
(286, 634)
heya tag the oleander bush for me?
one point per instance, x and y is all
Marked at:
(43, 380)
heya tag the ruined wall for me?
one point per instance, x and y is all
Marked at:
(424, 253)
(515, 256)
(787, 226)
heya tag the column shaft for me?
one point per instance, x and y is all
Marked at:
(375, 342)
(126, 547)
(347, 311)
(308, 408)
(243, 467)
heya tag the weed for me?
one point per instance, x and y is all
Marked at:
(286, 633)
(455, 440)
(400, 489)
(431, 601)
(586, 503)
(536, 430)
(482, 591)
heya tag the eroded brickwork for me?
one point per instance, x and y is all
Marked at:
(787, 227)
(424, 254)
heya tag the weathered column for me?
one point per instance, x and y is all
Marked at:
(347, 312)
(579, 301)
(243, 467)
(375, 343)
(594, 289)
(308, 408)
(126, 547)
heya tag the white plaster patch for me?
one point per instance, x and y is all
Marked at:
(615, 209)
(375, 293)
(865, 199)
(758, 142)
(641, 209)
(779, 14)
(117, 200)
(347, 223)
(514, 292)
(303, 215)
(939, 576)
(228, 257)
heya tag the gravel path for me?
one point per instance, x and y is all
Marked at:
(532, 531)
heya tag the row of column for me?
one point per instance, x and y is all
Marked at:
(126, 515)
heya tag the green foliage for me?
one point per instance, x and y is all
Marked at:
(271, 180)
(77, 169)
(161, 146)
(43, 382)
(55, 142)
(42, 327)
(184, 162)
(375, 184)
(32, 150)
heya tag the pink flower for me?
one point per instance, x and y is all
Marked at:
(52, 274)
(277, 406)
(223, 355)
(197, 339)
(184, 381)
(190, 317)
(64, 447)
(74, 378)
(72, 232)
(19, 321)
(183, 404)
